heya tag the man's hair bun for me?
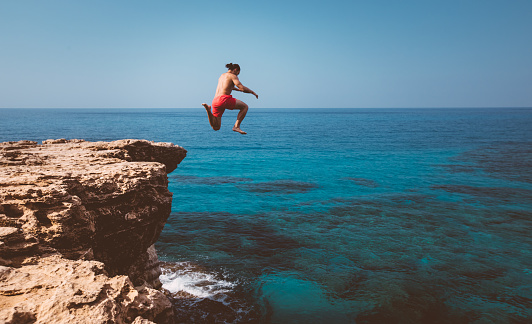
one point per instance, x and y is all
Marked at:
(232, 66)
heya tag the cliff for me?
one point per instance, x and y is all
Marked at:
(78, 221)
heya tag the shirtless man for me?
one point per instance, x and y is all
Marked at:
(223, 99)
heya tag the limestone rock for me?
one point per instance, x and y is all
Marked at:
(57, 290)
(78, 200)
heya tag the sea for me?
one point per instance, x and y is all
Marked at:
(334, 215)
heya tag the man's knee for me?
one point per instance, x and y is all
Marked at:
(240, 105)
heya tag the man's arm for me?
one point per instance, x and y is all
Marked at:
(240, 87)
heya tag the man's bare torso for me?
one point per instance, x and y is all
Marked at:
(226, 84)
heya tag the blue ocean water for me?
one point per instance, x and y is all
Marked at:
(335, 215)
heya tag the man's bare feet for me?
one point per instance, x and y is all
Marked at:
(207, 107)
(238, 130)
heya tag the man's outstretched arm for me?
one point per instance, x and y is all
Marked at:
(240, 87)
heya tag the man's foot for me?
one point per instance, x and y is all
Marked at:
(238, 130)
(207, 107)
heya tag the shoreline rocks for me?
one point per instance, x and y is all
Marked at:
(70, 206)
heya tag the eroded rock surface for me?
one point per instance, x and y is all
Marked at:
(95, 208)
(67, 291)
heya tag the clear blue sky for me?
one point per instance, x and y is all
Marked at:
(166, 54)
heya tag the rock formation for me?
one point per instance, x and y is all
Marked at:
(78, 221)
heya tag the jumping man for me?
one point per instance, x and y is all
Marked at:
(223, 99)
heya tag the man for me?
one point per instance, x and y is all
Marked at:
(223, 99)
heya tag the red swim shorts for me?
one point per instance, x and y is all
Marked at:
(221, 103)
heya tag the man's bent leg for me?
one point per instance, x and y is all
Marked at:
(243, 107)
(216, 122)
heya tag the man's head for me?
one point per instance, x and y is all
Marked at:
(233, 68)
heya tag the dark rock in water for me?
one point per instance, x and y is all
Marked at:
(364, 182)
(78, 220)
(279, 187)
(502, 160)
(502, 193)
(420, 306)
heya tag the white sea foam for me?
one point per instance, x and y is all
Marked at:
(185, 277)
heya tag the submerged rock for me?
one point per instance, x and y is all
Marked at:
(279, 187)
(78, 221)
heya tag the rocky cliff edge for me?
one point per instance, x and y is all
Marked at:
(78, 221)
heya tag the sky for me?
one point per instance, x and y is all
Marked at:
(293, 54)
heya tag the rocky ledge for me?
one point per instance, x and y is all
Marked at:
(78, 221)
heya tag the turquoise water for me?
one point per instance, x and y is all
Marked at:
(335, 215)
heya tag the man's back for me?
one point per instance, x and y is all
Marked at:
(225, 84)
